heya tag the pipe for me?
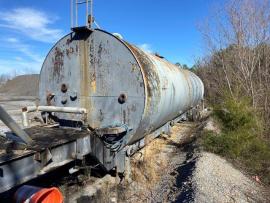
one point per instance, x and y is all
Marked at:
(29, 109)
(25, 121)
(54, 109)
(9, 122)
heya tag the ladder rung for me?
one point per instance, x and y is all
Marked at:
(82, 2)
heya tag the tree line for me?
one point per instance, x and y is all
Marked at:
(238, 64)
(236, 76)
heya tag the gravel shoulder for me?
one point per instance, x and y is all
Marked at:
(216, 180)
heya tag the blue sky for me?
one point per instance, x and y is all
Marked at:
(29, 28)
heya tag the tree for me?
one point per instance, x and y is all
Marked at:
(178, 64)
(184, 66)
(238, 39)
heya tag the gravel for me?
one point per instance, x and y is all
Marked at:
(23, 85)
(216, 180)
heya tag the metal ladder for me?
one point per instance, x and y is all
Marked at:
(89, 19)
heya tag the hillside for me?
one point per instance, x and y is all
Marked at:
(23, 85)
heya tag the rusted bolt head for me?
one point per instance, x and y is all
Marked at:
(64, 88)
(122, 98)
(64, 100)
(73, 96)
(50, 96)
(24, 109)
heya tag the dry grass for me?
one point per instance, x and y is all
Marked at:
(150, 165)
(147, 164)
(147, 169)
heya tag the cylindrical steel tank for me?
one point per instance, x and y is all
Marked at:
(116, 82)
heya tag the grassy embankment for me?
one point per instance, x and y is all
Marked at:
(241, 139)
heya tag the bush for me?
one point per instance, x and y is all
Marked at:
(240, 139)
(235, 115)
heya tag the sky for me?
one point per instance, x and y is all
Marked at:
(29, 28)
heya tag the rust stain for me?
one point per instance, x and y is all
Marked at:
(151, 75)
(68, 41)
(133, 107)
(49, 98)
(128, 116)
(101, 116)
(166, 83)
(69, 51)
(83, 49)
(92, 69)
(133, 67)
(100, 48)
(166, 63)
(186, 74)
(93, 86)
(152, 80)
(124, 116)
(58, 61)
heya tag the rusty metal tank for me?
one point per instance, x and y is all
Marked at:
(116, 82)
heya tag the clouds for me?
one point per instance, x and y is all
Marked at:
(17, 66)
(25, 49)
(146, 47)
(12, 40)
(26, 36)
(19, 57)
(32, 23)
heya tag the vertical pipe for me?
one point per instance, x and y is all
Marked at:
(76, 17)
(25, 121)
(91, 13)
(87, 13)
(5, 117)
(71, 13)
